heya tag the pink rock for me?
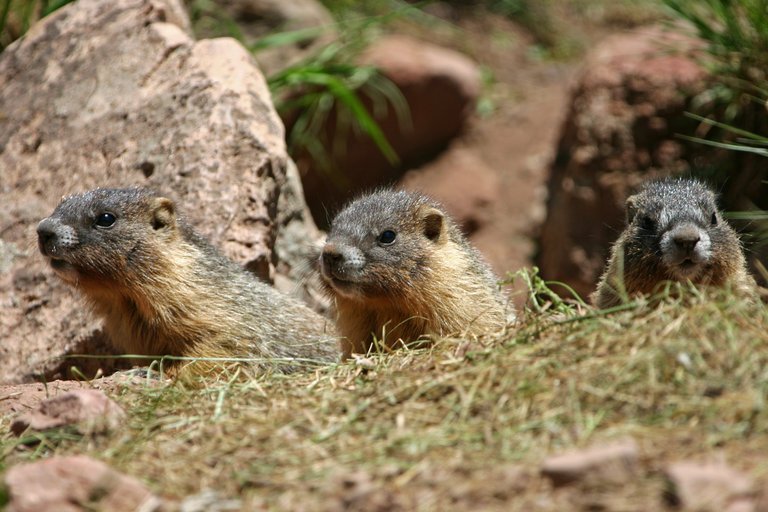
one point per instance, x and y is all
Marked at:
(73, 484)
(90, 410)
(711, 486)
(615, 462)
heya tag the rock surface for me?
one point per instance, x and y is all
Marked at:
(439, 86)
(16, 399)
(297, 245)
(712, 486)
(72, 484)
(626, 111)
(124, 96)
(615, 462)
(90, 411)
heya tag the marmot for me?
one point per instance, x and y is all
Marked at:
(162, 289)
(398, 268)
(674, 233)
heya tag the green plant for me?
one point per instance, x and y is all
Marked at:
(327, 86)
(732, 111)
(541, 296)
(745, 142)
(736, 39)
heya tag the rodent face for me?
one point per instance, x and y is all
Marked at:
(677, 221)
(380, 244)
(96, 236)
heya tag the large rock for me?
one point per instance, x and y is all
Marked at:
(72, 484)
(626, 112)
(116, 94)
(440, 88)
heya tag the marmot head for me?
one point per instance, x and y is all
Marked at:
(380, 245)
(103, 236)
(676, 221)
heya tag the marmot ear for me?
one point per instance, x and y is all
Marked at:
(163, 213)
(631, 207)
(434, 222)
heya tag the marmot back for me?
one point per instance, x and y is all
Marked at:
(164, 290)
(674, 233)
(398, 268)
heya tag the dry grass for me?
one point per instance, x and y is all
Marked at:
(465, 423)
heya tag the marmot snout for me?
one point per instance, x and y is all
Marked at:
(399, 269)
(162, 289)
(674, 233)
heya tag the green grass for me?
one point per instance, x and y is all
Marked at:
(16, 16)
(736, 39)
(687, 378)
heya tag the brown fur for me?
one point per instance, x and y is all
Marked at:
(429, 282)
(163, 290)
(637, 262)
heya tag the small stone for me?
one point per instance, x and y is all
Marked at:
(72, 484)
(209, 501)
(89, 410)
(616, 462)
(364, 362)
(695, 486)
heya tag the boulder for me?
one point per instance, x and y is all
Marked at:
(72, 484)
(440, 88)
(122, 95)
(298, 245)
(626, 110)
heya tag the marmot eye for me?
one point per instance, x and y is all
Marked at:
(714, 219)
(647, 223)
(387, 237)
(105, 220)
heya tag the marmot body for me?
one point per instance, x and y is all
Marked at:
(164, 290)
(398, 268)
(674, 233)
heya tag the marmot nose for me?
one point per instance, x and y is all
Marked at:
(46, 234)
(686, 238)
(331, 254)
